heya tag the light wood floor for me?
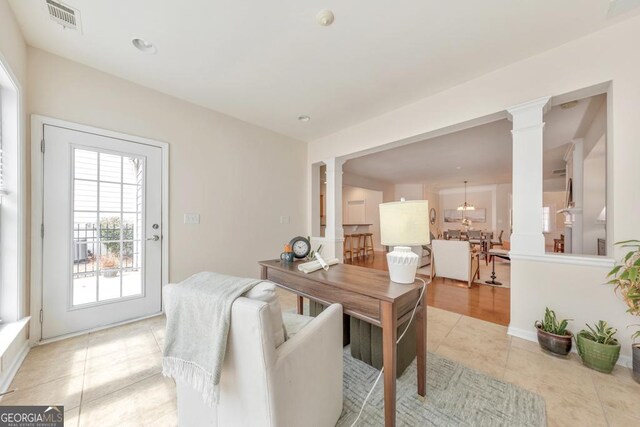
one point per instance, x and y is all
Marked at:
(112, 377)
(481, 302)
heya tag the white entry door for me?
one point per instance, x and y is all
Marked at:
(102, 231)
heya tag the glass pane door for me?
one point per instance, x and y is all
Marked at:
(108, 196)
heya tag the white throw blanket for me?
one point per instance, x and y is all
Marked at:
(198, 319)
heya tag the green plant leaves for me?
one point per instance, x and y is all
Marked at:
(551, 324)
(625, 276)
(601, 333)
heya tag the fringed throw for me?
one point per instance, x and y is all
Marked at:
(198, 320)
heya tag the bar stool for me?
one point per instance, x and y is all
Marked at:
(361, 242)
(356, 246)
(347, 242)
(368, 244)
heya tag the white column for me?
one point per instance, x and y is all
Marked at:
(334, 234)
(578, 191)
(528, 126)
(314, 207)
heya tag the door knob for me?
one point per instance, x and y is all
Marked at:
(155, 238)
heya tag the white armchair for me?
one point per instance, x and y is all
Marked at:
(297, 383)
(454, 259)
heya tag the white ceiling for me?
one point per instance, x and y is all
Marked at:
(483, 153)
(269, 62)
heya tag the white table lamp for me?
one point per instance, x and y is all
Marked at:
(404, 224)
(602, 218)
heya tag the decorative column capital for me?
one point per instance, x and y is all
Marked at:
(334, 163)
(529, 114)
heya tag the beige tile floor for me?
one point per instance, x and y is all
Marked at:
(112, 377)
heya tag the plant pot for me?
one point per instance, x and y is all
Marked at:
(635, 351)
(557, 345)
(109, 273)
(600, 357)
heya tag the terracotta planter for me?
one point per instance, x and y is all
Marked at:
(558, 345)
(600, 357)
(635, 349)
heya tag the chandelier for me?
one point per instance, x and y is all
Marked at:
(466, 206)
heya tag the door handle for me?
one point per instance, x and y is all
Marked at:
(155, 238)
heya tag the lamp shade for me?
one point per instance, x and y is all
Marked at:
(404, 223)
(602, 218)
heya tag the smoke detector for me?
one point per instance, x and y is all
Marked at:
(325, 17)
(64, 15)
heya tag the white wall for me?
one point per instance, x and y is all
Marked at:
(372, 200)
(388, 189)
(594, 182)
(555, 200)
(594, 198)
(483, 197)
(433, 198)
(239, 177)
(608, 55)
(503, 211)
(12, 44)
(409, 191)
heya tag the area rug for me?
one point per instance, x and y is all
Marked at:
(456, 396)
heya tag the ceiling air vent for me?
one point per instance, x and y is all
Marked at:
(64, 15)
(560, 172)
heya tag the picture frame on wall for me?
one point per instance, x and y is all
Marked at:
(475, 216)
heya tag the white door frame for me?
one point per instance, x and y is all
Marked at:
(37, 134)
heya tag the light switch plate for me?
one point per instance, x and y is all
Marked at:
(285, 219)
(191, 218)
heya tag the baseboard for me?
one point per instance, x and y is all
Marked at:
(7, 376)
(528, 335)
(522, 333)
(99, 328)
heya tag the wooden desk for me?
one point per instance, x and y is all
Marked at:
(368, 295)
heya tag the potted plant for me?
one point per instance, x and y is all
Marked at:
(626, 278)
(109, 265)
(635, 354)
(598, 348)
(553, 335)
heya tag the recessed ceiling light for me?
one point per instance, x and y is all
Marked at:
(304, 118)
(144, 46)
(458, 167)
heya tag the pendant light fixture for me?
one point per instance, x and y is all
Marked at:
(466, 206)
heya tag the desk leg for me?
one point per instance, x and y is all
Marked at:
(300, 303)
(389, 354)
(421, 341)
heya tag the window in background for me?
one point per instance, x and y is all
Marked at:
(11, 215)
